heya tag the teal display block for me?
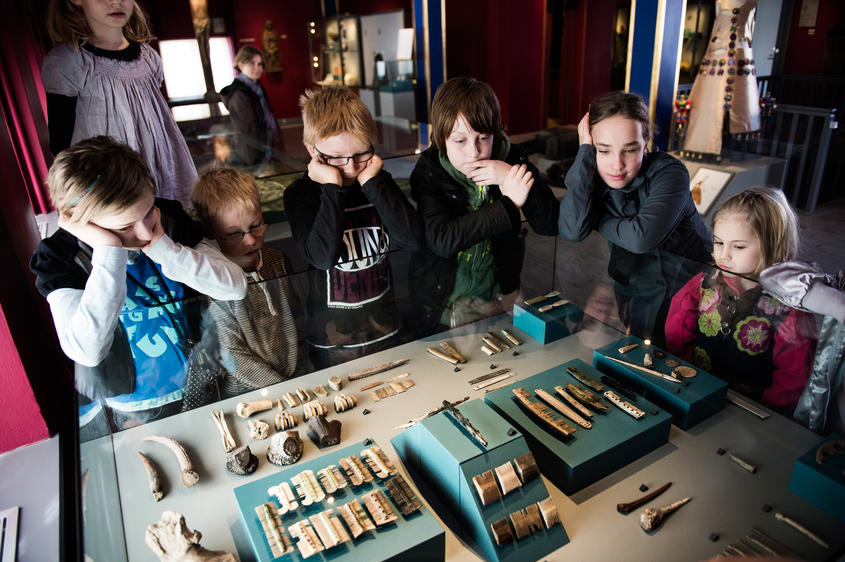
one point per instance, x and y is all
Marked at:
(821, 484)
(588, 455)
(704, 395)
(550, 326)
(416, 537)
(447, 457)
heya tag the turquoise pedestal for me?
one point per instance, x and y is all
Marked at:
(441, 452)
(417, 537)
(547, 327)
(615, 440)
(704, 395)
(821, 484)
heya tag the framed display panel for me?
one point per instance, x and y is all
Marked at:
(706, 186)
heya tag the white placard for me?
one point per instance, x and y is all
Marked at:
(405, 47)
(706, 186)
(809, 11)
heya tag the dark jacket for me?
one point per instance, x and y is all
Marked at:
(450, 227)
(247, 116)
(62, 261)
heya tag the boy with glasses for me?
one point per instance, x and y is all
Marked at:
(345, 213)
(257, 335)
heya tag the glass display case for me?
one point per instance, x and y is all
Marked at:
(582, 315)
(334, 50)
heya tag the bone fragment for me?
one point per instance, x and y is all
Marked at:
(246, 409)
(152, 476)
(220, 421)
(189, 475)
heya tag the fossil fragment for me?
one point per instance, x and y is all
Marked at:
(626, 508)
(246, 409)
(308, 542)
(526, 521)
(526, 466)
(376, 370)
(644, 370)
(285, 420)
(171, 539)
(626, 348)
(343, 402)
(291, 400)
(152, 477)
(356, 518)
(491, 343)
(285, 496)
(313, 408)
(356, 470)
(285, 448)
(378, 461)
(541, 298)
(672, 363)
(554, 305)
(403, 496)
(329, 528)
(325, 433)
(508, 480)
(562, 408)
(548, 510)
(241, 461)
(830, 449)
(498, 341)
(332, 479)
(494, 380)
(220, 421)
(651, 518)
(307, 487)
(487, 350)
(511, 338)
(488, 376)
(321, 391)
(648, 361)
(502, 532)
(626, 407)
(802, 529)
(259, 429)
(379, 508)
(304, 395)
(486, 487)
(189, 475)
(573, 402)
(586, 397)
(450, 349)
(743, 463)
(443, 355)
(335, 383)
(558, 427)
(465, 423)
(274, 532)
(582, 377)
(684, 371)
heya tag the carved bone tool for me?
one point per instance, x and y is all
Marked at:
(626, 508)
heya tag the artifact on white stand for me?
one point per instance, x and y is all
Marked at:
(172, 541)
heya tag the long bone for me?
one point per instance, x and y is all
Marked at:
(246, 409)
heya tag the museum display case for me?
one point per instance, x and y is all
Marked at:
(530, 432)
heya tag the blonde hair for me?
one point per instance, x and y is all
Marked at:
(66, 23)
(333, 110)
(223, 188)
(97, 177)
(473, 99)
(770, 217)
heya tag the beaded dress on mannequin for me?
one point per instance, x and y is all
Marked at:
(726, 81)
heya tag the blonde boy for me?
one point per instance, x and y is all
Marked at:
(258, 332)
(345, 213)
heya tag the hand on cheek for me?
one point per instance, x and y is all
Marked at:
(90, 233)
(517, 185)
(322, 173)
(371, 170)
(490, 172)
(157, 230)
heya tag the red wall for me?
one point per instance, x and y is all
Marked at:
(502, 44)
(586, 57)
(805, 52)
(363, 7)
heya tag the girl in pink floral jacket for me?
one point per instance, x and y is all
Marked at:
(725, 323)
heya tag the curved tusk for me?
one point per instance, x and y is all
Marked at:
(189, 476)
(152, 476)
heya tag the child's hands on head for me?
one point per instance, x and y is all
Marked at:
(90, 233)
(371, 170)
(322, 173)
(517, 184)
(489, 172)
(584, 136)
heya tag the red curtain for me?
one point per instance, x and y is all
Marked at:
(23, 101)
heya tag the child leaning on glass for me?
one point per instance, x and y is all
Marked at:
(723, 321)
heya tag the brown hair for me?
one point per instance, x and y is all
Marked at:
(628, 105)
(97, 177)
(332, 110)
(245, 55)
(770, 217)
(469, 97)
(66, 23)
(221, 188)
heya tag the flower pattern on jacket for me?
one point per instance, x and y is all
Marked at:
(709, 299)
(753, 335)
(710, 323)
(771, 305)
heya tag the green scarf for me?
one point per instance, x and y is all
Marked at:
(475, 283)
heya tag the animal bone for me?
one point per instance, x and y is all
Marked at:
(290, 399)
(259, 429)
(152, 476)
(246, 409)
(304, 395)
(189, 475)
(241, 461)
(626, 508)
(321, 391)
(220, 421)
(335, 383)
(343, 402)
(325, 433)
(285, 448)
(802, 529)
(314, 408)
(285, 420)
(651, 518)
(172, 541)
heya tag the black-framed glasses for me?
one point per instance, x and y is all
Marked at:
(359, 158)
(239, 236)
